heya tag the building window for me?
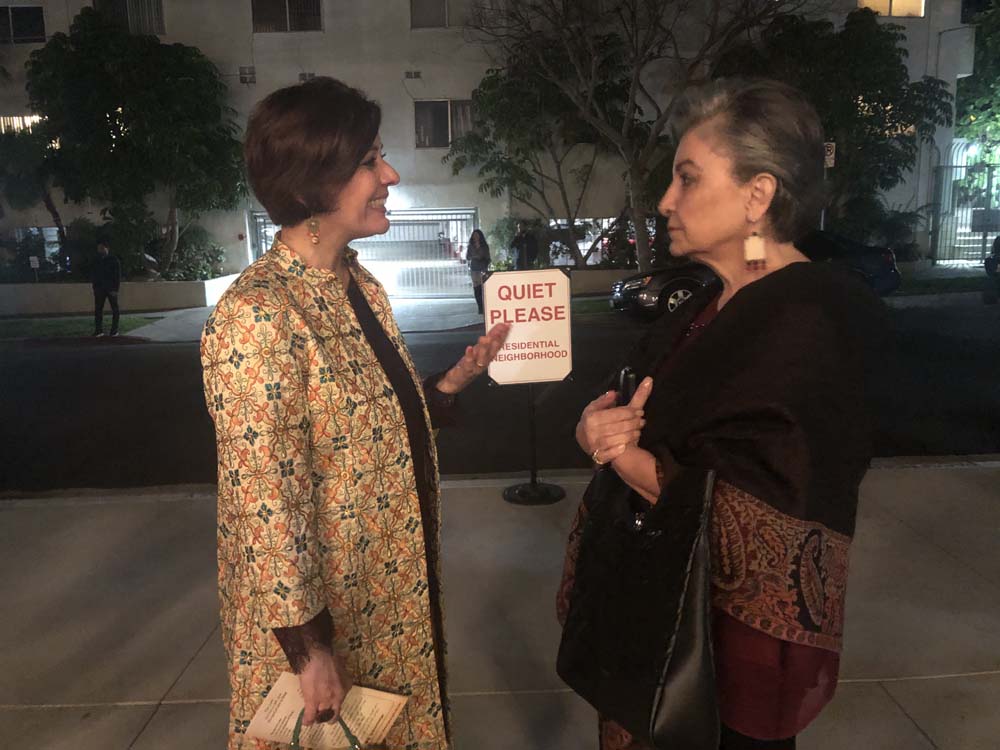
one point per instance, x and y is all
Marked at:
(287, 15)
(438, 123)
(17, 123)
(428, 14)
(897, 8)
(20, 24)
(138, 16)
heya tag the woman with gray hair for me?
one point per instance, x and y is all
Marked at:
(760, 382)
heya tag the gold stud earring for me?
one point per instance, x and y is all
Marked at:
(313, 227)
(754, 252)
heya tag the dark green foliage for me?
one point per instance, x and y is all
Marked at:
(198, 257)
(977, 103)
(132, 233)
(857, 79)
(526, 134)
(80, 249)
(131, 116)
(15, 266)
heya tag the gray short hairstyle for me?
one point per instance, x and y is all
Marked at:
(765, 127)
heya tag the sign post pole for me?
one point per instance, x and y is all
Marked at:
(829, 162)
(533, 492)
(538, 350)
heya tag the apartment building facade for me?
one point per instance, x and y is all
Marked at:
(413, 57)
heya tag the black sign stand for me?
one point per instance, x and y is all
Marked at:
(533, 492)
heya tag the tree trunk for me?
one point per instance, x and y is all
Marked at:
(169, 248)
(53, 210)
(574, 247)
(642, 252)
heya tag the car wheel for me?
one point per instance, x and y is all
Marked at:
(671, 299)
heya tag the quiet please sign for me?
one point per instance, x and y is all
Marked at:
(537, 305)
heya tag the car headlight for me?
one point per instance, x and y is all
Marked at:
(638, 283)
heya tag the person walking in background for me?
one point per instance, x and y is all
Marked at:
(106, 279)
(478, 255)
(525, 248)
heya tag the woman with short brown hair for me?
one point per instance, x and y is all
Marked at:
(328, 512)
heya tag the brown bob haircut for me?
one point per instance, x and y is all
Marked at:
(765, 127)
(303, 143)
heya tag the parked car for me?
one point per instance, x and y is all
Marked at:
(876, 265)
(662, 290)
(665, 289)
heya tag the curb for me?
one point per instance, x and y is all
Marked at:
(189, 492)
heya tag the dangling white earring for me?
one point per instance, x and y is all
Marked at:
(755, 252)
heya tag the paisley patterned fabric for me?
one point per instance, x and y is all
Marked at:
(769, 572)
(318, 504)
(777, 574)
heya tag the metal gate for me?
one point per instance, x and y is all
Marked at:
(422, 254)
(966, 216)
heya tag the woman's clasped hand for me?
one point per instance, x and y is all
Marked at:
(606, 431)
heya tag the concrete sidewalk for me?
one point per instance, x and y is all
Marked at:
(111, 633)
(412, 315)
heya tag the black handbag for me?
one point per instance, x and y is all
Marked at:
(637, 641)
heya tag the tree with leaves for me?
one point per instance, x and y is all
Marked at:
(857, 79)
(525, 134)
(655, 48)
(977, 102)
(133, 116)
(26, 175)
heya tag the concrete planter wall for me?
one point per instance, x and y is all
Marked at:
(135, 296)
(598, 282)
(907, 267)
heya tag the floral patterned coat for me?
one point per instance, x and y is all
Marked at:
(318, 504)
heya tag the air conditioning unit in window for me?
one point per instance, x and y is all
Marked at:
(248, 74)
(303, 77)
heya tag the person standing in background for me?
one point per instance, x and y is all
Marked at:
(478, 255)
(525, 248)
(106, 280)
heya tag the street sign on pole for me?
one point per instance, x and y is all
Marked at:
(829, 155)
(537, 305)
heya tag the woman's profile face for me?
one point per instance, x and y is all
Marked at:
(360, 204)
(705, 207)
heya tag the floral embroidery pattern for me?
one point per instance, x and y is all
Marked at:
(316, 493)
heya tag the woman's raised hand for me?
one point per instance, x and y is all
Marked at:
(475, 360)
(605, 430)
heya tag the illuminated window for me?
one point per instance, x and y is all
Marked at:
(21, 24)
(438, 123)
(16, 123)
(897, 8)
(287, 15)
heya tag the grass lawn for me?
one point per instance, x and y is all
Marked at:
(584, 305)
(82, 326)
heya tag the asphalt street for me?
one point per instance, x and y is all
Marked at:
(114, 414)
